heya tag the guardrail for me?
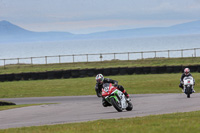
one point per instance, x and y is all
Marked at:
(193, 52)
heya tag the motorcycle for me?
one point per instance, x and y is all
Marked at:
(188, 85)
(116, 98)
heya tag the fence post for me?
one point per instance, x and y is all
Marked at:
(100, 57)
(73, 58)
(168, 53)
(114, 56)
(46, 60)
(31, 60)
(181, 53)
(155, 54)
(87, 57)
(142, 55)
(4, 65)
(128, 55)
(194, 52)
(59, 59)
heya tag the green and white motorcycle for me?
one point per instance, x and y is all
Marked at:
(116, 98)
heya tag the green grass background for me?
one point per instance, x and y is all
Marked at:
(134, 84)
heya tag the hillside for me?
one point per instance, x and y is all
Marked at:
(13, 33)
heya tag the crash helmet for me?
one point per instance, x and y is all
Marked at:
(99, 78)
(187, 71)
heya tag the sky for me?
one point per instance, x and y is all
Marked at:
(87, 16)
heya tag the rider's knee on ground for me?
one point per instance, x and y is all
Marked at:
(105, 103)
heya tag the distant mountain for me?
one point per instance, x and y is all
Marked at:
(6, 28)
(12, 33)
(180, 29)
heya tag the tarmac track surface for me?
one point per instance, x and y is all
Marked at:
(88, 108)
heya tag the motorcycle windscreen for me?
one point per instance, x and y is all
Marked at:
(107, 89)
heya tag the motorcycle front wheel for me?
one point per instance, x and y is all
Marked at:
(130, 106)
(188, 92)
(116, 105)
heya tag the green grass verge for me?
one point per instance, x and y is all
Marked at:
(105, 64)
(167, 123)
(134, 84)
(6, 107)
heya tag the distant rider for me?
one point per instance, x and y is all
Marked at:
(185, 74)
(99, 85)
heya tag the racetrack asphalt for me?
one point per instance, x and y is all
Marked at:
(72, 109)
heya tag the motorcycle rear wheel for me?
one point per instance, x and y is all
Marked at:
(116, 105)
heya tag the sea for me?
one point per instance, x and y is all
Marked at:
(99, 50)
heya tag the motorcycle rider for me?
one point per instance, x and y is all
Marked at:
(185, 74)
(99, 85)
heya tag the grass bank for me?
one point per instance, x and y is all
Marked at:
(105, 64)
(167, 123)
(18, 106)
(134, 84)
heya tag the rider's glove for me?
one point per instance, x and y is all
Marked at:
(115, 85)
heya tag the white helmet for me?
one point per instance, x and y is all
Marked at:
(99, 78)
(187, 71)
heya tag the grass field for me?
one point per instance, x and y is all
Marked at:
(105, 64)
(134, 84)
(167, 123)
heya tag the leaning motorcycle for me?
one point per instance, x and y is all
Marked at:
(188, 84)
(116, 98)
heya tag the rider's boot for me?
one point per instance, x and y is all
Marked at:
(126, 95)
(121, 88)
(193, 90)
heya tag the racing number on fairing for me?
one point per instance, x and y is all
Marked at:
(106, 88)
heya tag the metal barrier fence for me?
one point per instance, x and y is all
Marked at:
(194, 52)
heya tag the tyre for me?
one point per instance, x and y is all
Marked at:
(116, 105)
(188, 92)
(130, 106)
